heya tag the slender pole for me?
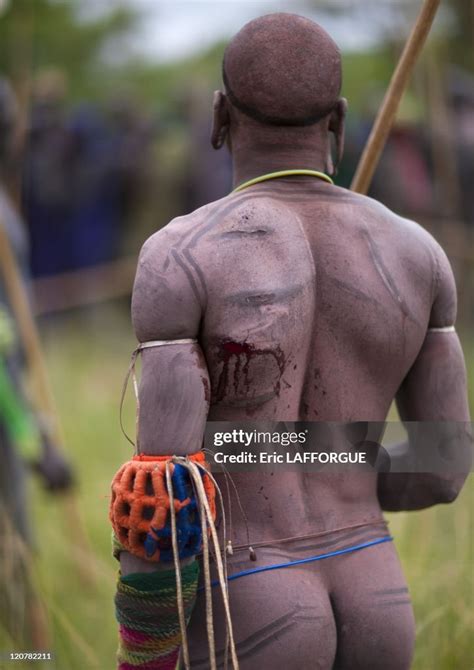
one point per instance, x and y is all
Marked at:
(20, 305)
(386, 116)
(43, 396)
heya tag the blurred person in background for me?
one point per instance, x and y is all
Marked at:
(403, 180)
(109, 166)
(47, 179)
(22, 438)
(462, 100)
(93, 220)
(208, 173)
(85, 172)
(132, 133)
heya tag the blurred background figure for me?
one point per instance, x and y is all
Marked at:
(83, 169)
(404, 181)
(23, 441)
(460, 86)
(207, 175)
(47, 177)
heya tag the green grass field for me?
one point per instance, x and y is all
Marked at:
(88, 358)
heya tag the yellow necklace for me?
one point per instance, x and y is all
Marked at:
(283, 173)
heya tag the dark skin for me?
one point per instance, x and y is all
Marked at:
(309, 303)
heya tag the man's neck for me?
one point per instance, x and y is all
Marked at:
(253, 157)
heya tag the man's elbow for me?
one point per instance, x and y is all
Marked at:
(448, 489)
(408, 492)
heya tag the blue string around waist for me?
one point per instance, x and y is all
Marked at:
(302, 561)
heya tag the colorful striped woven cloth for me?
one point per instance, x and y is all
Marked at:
(145, 606)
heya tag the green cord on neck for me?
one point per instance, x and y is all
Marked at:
(283, 173)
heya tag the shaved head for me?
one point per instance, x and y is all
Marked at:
(284, 70)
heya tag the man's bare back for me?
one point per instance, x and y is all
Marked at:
(297, 277)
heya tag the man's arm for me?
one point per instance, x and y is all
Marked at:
(174, 385)
(173, 405)
(435, 391)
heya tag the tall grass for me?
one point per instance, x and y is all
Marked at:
(88, 357)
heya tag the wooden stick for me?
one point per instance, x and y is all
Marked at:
(29, 337)
(43, 396)
(87, 286)
(386, 116)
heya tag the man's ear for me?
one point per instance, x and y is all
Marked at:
(220, 120)
(337, 126)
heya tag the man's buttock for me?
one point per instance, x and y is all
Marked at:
(295, 616)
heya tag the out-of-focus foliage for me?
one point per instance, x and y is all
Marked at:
(458, 35)
(38, 34)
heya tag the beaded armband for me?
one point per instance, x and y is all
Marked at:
(140, 506)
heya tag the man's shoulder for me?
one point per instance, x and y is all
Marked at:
(405, 234)
(245, 212)
(219, 217)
